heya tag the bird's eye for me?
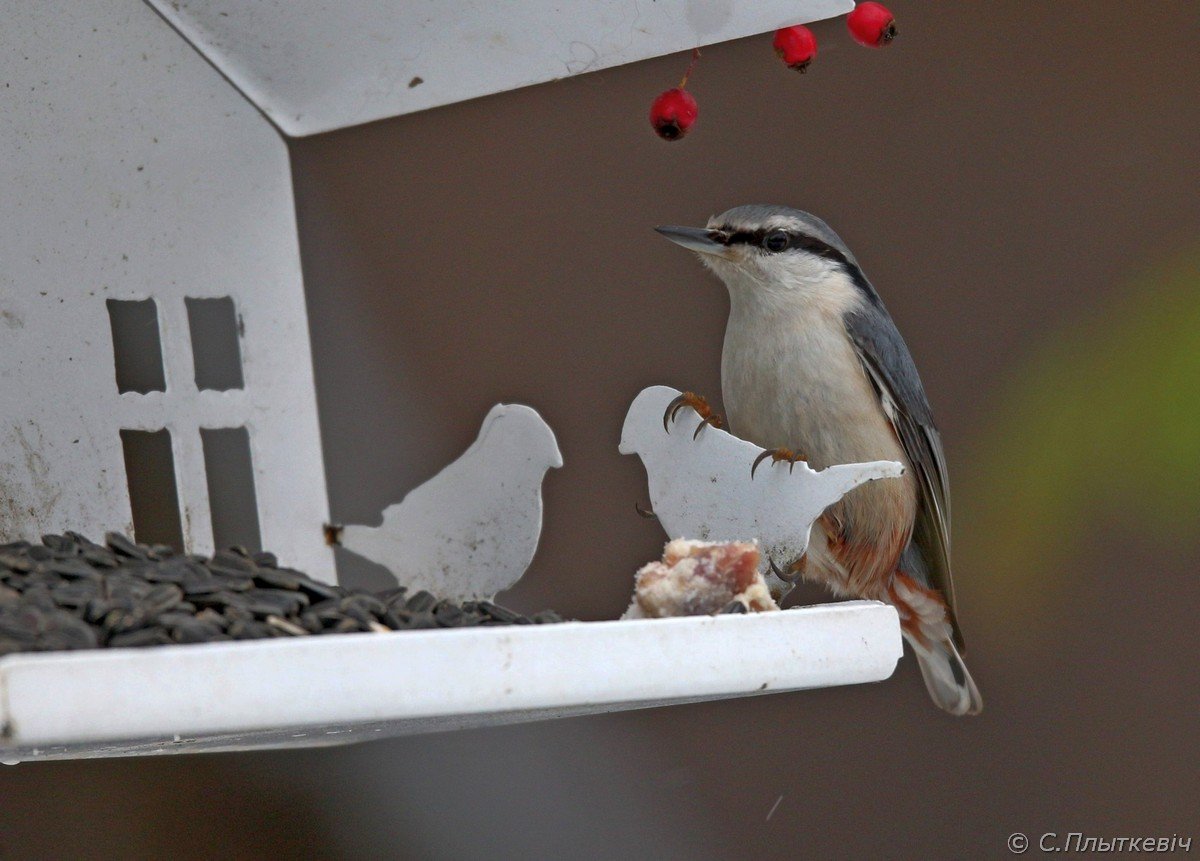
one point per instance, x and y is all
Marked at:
(777, 240)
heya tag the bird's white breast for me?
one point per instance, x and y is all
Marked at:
(790, 376)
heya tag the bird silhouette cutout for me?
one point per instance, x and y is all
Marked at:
(471, 530)
(701, 485)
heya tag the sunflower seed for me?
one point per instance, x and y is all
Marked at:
(70, 632)
(118, 543)
(500, 614)
(273, 578)
(420, 602)
(197, 631)
(250, 629)
(233, 560)
(274, 602)
(61, 544)
(73, 566)
(101, 556)
(394, 596)
(140, 637)
(13, 562)
(286, 626)
(315, 588)
(448, 615)
(75, 594)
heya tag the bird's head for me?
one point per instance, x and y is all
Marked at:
(772, 255)
(515, 433)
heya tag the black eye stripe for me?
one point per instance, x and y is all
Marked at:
(797, 240)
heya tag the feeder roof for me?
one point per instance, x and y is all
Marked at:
(314, 66)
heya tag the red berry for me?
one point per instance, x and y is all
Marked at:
(673, 113)
(871, 24)
(796, 46)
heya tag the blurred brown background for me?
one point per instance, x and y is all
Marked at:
(1020, 183)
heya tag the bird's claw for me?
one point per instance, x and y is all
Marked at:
(697, 403)
(777, 455)
(645, 512)
(673, 409)
(794, 571)
(713, 419)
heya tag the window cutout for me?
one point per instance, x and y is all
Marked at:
(231, 494)
(136, 346)
(150, 471)
(214, 327)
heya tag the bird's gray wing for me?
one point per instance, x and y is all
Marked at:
(894, 374)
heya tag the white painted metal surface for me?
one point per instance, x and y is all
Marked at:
(702, 488)
(313, 65)
(132, 170)
(472, 529)
(322, 690)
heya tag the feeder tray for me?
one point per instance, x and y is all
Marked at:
(353, 687)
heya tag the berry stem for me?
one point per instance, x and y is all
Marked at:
(691, 66)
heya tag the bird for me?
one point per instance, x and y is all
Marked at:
(471, 530)
(813, 368)
(699, 486)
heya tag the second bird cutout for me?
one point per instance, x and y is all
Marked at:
(702, 488)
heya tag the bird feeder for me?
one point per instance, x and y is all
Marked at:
(153, 323)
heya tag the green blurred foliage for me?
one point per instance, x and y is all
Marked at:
(1100, 426)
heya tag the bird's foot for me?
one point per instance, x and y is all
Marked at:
(777, 455)
(697, 403)
(645, 512)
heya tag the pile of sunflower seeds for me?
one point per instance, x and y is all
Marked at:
(70, 593)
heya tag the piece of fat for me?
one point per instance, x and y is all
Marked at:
(696, 578)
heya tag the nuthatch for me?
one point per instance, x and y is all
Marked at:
(812, 361)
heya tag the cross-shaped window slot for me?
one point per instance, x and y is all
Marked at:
(155, 503)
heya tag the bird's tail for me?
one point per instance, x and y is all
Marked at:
(927, 624)
(946, 676)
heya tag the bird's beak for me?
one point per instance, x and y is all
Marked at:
(697, 239)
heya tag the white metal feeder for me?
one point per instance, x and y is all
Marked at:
(149, 216)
